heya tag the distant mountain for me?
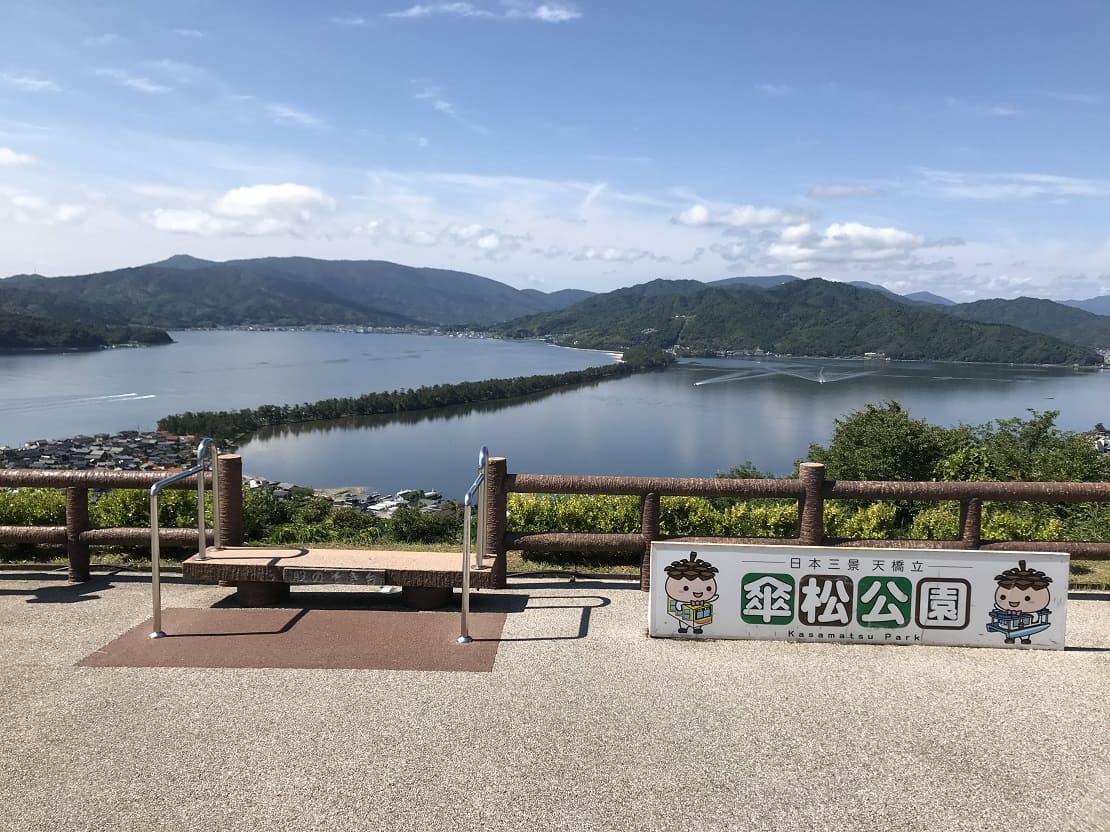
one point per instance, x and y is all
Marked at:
(1096, 306)
(770, 281)
(184, 291)
(1036, 315)
(803, 317)
(755, 281)
(882, 290)
(559, 299)
(184, 261)
(929, 297)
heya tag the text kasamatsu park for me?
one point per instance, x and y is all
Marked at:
(877, 596)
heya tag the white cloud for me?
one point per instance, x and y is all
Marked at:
(134, 82)
(255, 210)
(545, 12)
(774, 90)
(842, 191)
(992, 110)
(615, 254)
(284, 114)
(10, 158)
(260, 200)
(28, 83)
(178, 71)
(352, 20)
(68, 212)
(18, 207)
(433, 95)
(106, 39)
(1011, 185)
(190, 33)
(428, 10)
(511, 10)
(802, 246)
(737, 216)
(729, 251)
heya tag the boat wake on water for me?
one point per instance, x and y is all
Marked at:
(56, 402)
(820, 375)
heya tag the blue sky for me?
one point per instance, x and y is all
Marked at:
(954, 147)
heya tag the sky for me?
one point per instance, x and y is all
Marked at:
(952, 147)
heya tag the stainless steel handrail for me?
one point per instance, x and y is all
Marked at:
(478, 489)
(206, 446)
(483, 458)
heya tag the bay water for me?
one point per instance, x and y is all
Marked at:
(695, 419)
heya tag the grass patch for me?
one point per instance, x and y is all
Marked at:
(1089, 574)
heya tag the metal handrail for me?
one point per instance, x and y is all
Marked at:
(206, 447)
(478, 489)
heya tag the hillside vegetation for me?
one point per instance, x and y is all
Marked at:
(187, 292)
(21, 332)
(803, 317)
(1036, 315)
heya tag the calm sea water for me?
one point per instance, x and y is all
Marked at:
(692, 420)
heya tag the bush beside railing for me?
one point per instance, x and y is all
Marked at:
(810, 491)
(628, 514)
(79, 531)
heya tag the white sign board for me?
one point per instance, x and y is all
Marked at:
(861, 596)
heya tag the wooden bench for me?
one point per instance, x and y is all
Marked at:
(263, 576)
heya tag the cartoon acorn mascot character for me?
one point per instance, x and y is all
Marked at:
(1020, 603)
(691, 591)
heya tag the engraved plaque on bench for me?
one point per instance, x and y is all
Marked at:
(325, 575)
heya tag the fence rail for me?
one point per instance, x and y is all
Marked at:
(810, 489)
(78, 534)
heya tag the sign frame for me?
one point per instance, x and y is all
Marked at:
(849, 595)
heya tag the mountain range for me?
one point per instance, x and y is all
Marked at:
(185, 291)
(781, 313)
(795, 317)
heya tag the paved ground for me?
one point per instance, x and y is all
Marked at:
(584, 723)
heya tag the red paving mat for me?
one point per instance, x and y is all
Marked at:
(303, 638)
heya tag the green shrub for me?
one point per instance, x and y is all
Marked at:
(939, 522)
(410, 525)
(573, 513)
(130, 508)
(1005, 524)
(312, 510)
(262, 512)
(33, 507)
(867, 522)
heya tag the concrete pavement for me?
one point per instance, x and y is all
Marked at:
(584, 723)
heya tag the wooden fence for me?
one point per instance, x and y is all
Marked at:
(810, 489)
(78, 535)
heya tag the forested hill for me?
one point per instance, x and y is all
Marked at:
(22, 332)
(188, 292)
(802, 317)
(1035, 315)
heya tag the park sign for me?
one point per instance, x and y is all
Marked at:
(858, 596)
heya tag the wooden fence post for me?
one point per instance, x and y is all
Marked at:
(971, 522)
(649, 528)
(77, 521)
(496, 522)
(230, 472)
(811, 512)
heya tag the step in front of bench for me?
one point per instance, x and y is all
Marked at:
(367, 567)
